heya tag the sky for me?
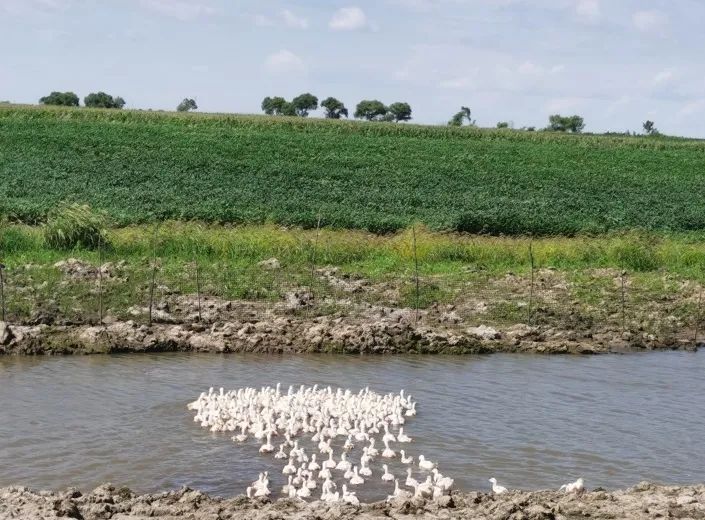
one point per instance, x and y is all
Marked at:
(615, 62)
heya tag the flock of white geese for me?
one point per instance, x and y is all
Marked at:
(341, 424)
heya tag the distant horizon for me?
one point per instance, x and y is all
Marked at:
(318, 115)
(617, 64)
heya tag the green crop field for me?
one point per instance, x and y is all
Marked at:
(142, 166)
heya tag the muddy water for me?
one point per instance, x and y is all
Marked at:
(533, 422)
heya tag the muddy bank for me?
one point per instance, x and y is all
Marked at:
(391, 333)
(354, 317)
(241, 326)
(108, 502)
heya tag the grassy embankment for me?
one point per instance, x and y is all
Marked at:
(577, 280)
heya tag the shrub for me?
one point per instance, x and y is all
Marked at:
(75, 225)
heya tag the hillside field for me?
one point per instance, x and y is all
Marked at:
(143, 166)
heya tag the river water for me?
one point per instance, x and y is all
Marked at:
(532, 422)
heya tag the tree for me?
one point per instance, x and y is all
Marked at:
(502, 124)
(66, 99)
(334, 108)
(186, 105)
(650, 128)
(304, 103)
(370, 109)
(463, 114)
(400, 111)
(277, 106)
(559, 123)
(103, 100)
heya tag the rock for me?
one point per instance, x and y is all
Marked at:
(5, 333)
(450, 317)
(521, 331)
(446, 501)
(484, 332)
(67, 508)
(298, 299)
(270, 264)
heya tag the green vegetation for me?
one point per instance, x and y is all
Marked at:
(335, 109)
(67, 99)
(103, 100)
(186, 105)
(145, 166)
(74, 226)
(559, 123)
(578, 281)
(464, 114)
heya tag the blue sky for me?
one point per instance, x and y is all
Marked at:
(616, 62)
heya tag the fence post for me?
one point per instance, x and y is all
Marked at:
(624, 303)
(416, 276)
(313, 263)
(154, 273)
(698, 317)
(2, 292)
(198, 289)
(531, 287)
(100, 280)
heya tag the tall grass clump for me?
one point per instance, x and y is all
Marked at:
(73, 226)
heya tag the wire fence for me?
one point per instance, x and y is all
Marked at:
(578, 303)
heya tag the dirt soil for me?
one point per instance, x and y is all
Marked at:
(107, 502)
(342, 323)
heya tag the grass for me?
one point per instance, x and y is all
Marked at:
(145, 166)
(366, 253)
(486, 279)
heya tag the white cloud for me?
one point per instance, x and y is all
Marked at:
(692, 108)
(529, 68)
(663, 77)
(284, 61)
(348, 19)
(563, 104)
(263, 21)
(293, 21)
(465, 83)
(285, 18)
(22, 7)
(588, 10)
(649, 21)
(180, 9)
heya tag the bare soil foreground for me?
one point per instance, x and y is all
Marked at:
(107, 502)
(380, 331)
(344, 315)
(241, 326)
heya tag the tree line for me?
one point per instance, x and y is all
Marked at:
(101, 100)
(367, 109)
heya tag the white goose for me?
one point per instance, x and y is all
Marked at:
(280, 454)
(387, 476)
(426, 464)
(403, 437)
(398, 492)
(344, 464)
(406, 460)
(496, 488)
(388, 452)
(365, 470)
(289, 469)
(356, 479)
(410, 481)
(330, 463)
(349, 496)
(577, 487)
(313, 465)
